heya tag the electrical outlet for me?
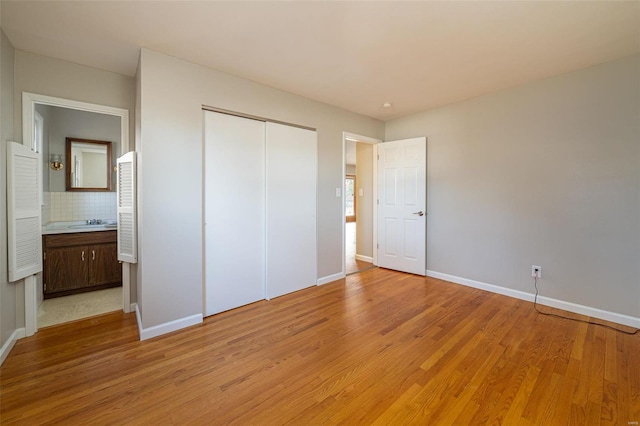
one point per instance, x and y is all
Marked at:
(536, 271)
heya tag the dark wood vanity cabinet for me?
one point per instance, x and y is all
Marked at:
(79, 262)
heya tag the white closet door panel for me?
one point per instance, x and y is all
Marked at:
(291, 209)
(234, 189)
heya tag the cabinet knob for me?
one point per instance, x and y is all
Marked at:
(83, 255)
(93, 255)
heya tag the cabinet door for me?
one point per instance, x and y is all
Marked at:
(66, 268)
(104, 267)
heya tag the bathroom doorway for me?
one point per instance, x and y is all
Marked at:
(72, 209)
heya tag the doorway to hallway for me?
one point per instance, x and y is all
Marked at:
(358, 206)
(352, 264)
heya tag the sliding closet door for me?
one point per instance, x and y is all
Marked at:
(291, 209)
(234, 194)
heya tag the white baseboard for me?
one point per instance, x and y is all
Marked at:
(542, 300)
(167, 327)
(330, 278)
(364, 258)
(133, 307)
(10, 343)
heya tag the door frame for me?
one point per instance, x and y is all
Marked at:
(373, 141)
(29, 101)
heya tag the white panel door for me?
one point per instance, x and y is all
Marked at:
(402, 199)
(234, 203)
(291, 209)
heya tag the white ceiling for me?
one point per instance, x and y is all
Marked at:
(355, 55)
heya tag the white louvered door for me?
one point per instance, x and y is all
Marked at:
(126, 196)
(23, 211)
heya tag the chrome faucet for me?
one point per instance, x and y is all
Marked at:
(94, 221)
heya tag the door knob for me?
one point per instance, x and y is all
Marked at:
(420, 213)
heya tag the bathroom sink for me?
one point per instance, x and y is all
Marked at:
(77, 226)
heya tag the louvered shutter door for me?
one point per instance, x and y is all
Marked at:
(126, 187)
(23, 211)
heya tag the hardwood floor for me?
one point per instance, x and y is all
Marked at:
(380, 347)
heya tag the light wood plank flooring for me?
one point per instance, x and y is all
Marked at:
(380, 347)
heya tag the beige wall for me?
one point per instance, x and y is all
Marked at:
(173, 92)
(66, 122)
(53, 77)
(364, 212)
(545, 174)
(8, 291)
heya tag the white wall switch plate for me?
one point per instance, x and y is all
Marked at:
(338, 192)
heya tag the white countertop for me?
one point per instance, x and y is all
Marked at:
(77, 226)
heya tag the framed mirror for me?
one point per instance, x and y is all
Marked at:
(88, 165)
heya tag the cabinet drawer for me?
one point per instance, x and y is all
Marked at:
(78, 239)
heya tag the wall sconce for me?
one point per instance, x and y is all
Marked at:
(56, 161)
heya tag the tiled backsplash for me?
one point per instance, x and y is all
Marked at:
(68, 206)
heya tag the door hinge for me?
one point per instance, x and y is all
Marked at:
(378, 156)
(378, 201)
(378, 246)
(45, 286)
(44, 255)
